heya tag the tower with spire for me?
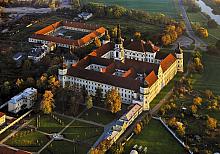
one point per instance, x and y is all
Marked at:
(119, 53)
(144, 92)
(62, 71)
(179, 56)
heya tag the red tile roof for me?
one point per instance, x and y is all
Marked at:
(96, 32)
(141, 46)
(9, 150)
(151, 78)
(167, 62)
(1, 114)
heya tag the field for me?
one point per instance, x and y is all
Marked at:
(126, 23)
(214, 33)
(156, 139)
(209, 79)
(159, 6)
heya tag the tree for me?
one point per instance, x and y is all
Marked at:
(113, 100)
(117, 149)
(42, 82)
(197, 101)
(74, 105)
(95, 151)
(47, 103)
(26, 65)
(53, 82)
(203, 32)
(20, 83)
(172, 122)
(98, 95)
(180, 128)
(97, 42)
(193, 108)
(30, 82)
(89, 103)
(208, 93)
(137, 35)
(166, 39)
(137, 129)
(6, 88)
(211, 123)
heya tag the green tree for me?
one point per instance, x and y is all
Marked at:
(113, 100)
(98, 96)
(26, 65)
(30, 82)
(89, 103)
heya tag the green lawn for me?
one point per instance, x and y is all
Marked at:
(159, 6)
(83, 132)
(155, 137)
(210, 78)
(99, 116)
(28, 140)
(64, 147)
(50, 125)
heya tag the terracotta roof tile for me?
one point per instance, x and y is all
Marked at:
(167, 62)
(151, 78)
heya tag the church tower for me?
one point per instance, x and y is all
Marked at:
(62, 71)
(119, 49)
(179, 56)
(144, 92)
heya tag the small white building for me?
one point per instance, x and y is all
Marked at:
(85, 15)
(24, 100)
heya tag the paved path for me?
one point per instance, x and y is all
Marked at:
(198, 42)
(48, 143)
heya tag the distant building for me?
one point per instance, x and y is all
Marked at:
(46, 35)
(19, 57)
(23, 100)
(2, 118)
(36, 54)
(85, 15)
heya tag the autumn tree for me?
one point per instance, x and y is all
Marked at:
(20, 83)
(42, 82)
(193, 108)
(113, 100)
(137, 35)
(95, 151)
(137, 128)
(172, 122)
(117, 149)
(47, 103)
(208, 93)
(211, 123)
(197, 101)
(53, 82)
(97, 42)
(166, 39)
(89, 103)
(180, 129)
(203, 32)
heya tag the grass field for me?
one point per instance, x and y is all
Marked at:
(83, 132)
(99, 116)
(164, 6)
(27, 140)
(58, 147)
(214, 33)
(126, 23)
(210, 78)
(50, 125)
(156, 139)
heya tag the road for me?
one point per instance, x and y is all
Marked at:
(198, 42)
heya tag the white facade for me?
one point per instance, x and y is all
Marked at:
(25, 99)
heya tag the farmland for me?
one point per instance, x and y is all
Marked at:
(167, 7)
